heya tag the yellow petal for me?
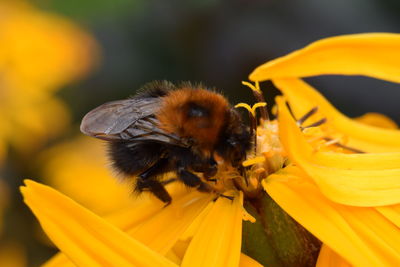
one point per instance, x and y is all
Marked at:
(218, 239)
(173, 257)
(378, 120)
(87, 239)
(58, 260)
(85, 159)
(363, 236)
(142, 208)
(370, 161)
(371, 54)
(148, 222)
(163, 230)
(246, 261)
(344, 178)
(329, 258)
(392, 213)
(302, 98)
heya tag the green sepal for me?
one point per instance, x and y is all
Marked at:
(275, 239)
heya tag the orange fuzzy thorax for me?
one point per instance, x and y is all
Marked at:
(174, 116)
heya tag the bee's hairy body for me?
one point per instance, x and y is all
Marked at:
(167, 128)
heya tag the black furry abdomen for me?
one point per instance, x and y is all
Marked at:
(133, 158)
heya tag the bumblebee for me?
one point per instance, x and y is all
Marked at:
(167, 128)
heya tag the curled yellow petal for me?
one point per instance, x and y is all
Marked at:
(378, 120)
(84, 237)
(361, 235)
(344, 178)
(329, 258)
(218, 238)
(370, 54)
(302, 98)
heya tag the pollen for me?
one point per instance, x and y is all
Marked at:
(246, 216)
(255, 87)
(253, 161)
(251, 109)
(323, 140)
(268, 155)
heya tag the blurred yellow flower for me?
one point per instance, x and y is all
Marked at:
(12, 255)
(4, 200)
(39, 53)
(41, 50)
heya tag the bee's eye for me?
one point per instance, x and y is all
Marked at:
(196, 111)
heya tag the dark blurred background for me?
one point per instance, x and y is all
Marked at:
(220, 43)
(211, 41)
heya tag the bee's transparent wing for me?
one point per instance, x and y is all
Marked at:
(114, 117)
(130, 120)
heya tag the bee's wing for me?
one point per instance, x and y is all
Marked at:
(129, 120)
(114, 117)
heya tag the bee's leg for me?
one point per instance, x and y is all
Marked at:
(171, 180)
(158, 168)
(192, 180)
(147, 181)
(156, 188)
(224, 196)
(209, 168)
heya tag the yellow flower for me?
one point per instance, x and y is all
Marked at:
(41, 50)
(374, 55)
(39, 53)
(11, 253)
(349, 201)
(338, 177)
(192, 231)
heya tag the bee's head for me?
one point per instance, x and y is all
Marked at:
(235, 140)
